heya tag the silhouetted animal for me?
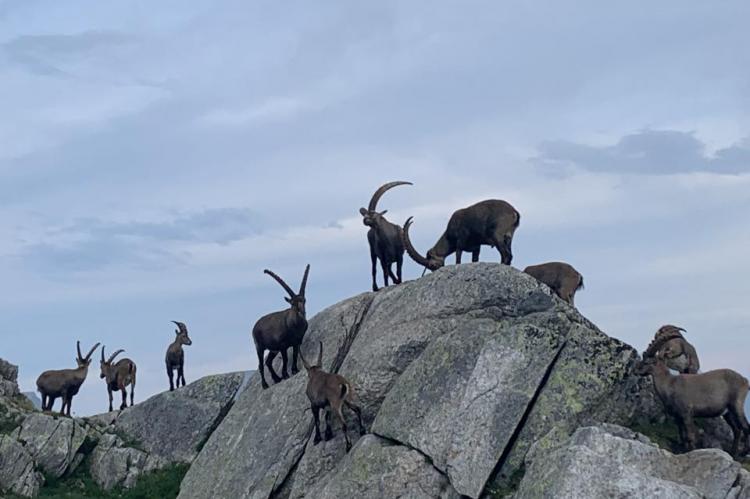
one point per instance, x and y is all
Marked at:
(278, 331)
(492, 222)
(385, 239)
(118, 377)
(175, 358)
(64, 383)
(561, 278)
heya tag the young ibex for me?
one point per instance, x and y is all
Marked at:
(384, 237)
(64, 383)
(677, 353)
(330, 391)
(175, 358)
(685, 396)
(118, 376)
(278, 331)
(561, 278)
(492, 222)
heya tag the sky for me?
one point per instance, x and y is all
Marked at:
(156, 157)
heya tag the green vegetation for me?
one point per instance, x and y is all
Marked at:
(7, 422)
(161, 484)
(666, 435)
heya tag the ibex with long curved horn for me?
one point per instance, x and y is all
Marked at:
(686, 396)
(279, 331)
(561, 278)
(676, 351)
(64, 383)
(118, 377)
(330, 391)
(385, 239)
(492, 222)
(175, 358)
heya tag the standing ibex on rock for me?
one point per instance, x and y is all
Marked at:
(685, 396)
(279, 331)
(385, 239)
(492, 222)
(677, 353)
(175, 358)
(561, 278)
(330, 391)
(118, 377)
(64, 383)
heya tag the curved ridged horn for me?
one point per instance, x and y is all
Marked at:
(88, 356)
(670, 329)
(382, 190)
(112, 357)
(182, 327)
(281, 281)
(102, 354)
(304, 281)
(659, 340)
(304, 361)
(319, 363)
(413, 253)
(78, 348)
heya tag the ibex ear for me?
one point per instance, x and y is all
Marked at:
(363, 212)
(288, 300)
(383, 212)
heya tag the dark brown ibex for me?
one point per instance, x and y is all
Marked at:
(118, 377)
(686, 396)
(386, 243)
(330, 391)
(561, 278)
(175, 358)
(64, 383)
(279, 331)
(676, 351)
(492, 222)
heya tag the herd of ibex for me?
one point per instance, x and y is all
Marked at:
(492, 222)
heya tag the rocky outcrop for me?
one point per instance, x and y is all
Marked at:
(458, 373)
(8, 379)
(52, 441)
(17, 473)
(611, 461)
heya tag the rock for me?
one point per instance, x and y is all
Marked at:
(606, 461)
(52, 441)
(17, 473)
(172, 425)
(113, 464)
(8, 379)
(376, 468)
(264, 435)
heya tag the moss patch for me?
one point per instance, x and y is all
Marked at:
(161, 484)
(666, 435)
(509, 486)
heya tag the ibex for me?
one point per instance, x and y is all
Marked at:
(685, 396)
(278, 331)
(561, 278)
(118, 377)
(175, 358)
(64, 383)
(330, 391)
(385, 239)
(678, 354)
(492, 222)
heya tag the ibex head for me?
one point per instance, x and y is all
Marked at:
(653, 356)
(370, 216)
(105, 366)
(431, 262)
(80, 359)
(318, 364)
(296, 300)
(182, 334)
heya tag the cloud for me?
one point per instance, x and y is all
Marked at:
(89, 244)
(646, 152)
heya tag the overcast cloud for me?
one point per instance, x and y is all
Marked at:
(155, 158)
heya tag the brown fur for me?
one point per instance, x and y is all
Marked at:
(561, 278)
(175, 358)
(118, 376)
(64, 383)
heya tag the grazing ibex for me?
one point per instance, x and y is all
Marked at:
(384, 237)
(278, 331)
(685, 396)
(561, 278)
(330, 391)
(678, 354)
(492, 222)
(118, 376)
(64, 383)
(175, 358)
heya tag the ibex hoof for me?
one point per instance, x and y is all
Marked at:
(284, 375)
(329, 436)
(316, 440)
(348, 447)
(294, 371)
(264, 385)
